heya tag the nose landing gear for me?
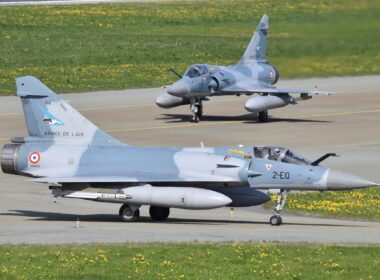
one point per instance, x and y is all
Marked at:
(276, 219)
(196, 108)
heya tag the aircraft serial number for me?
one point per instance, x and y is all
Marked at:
(281, 175)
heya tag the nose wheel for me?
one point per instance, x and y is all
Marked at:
(276, 219)
(197, 109)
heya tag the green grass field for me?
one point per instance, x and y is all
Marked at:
(190, 261)
(358, 204)
(93, 47)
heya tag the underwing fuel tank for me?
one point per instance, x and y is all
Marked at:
(173, 197)
(262, 103)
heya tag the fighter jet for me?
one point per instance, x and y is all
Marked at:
(251, 75)
(78, 160)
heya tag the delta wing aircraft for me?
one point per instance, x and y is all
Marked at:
(68, 152)
(251, 75)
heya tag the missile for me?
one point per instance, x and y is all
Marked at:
(173, 197)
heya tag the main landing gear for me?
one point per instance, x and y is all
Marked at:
(196, 108)
(263, 116)
(131, 213)
(158, 213)
(276, 219)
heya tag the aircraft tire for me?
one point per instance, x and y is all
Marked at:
(275, 220)
(263, 116)
(127, 214)
(158, 213)
(195, 118)
(200, 111)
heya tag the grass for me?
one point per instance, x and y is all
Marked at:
(190, 261)
(93, 47)
(358, 204)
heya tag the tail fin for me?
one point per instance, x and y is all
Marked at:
(258, 44)
(49, 117)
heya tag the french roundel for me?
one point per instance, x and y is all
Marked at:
(34, 157)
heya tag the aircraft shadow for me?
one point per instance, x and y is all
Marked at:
(246, 118)
(51, 216)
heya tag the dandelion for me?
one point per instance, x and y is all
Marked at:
(4, 269)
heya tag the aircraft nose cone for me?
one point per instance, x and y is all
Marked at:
(337, 180)
(179, 88)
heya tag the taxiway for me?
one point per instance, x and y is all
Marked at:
(346, 123)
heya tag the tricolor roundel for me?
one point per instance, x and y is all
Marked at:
(34, 157)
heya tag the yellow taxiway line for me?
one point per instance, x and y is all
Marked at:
(230, 122)
(225, 122)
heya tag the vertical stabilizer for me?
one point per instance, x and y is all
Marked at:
(258, 44)
(49, 117)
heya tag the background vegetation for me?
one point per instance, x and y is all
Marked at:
(190, 261)
(92, 47)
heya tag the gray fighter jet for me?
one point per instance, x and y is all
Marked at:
(68, 152)
(251, 75)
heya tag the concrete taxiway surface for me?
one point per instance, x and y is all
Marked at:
(346, 123)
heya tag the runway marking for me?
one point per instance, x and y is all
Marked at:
(115, 107)
(167, 126)
(10, 114)
(230, 122)
(358, 145)
(90, 108)
(333, 114)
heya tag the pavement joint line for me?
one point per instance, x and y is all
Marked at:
(88, 109)
(357, 145)
(230, 122)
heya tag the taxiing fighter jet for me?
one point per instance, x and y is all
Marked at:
(68, 152)
(251, 75)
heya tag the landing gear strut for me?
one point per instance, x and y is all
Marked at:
(196, 108)
(276, 219)
(129, 213)
(158, 213)
(263, 116)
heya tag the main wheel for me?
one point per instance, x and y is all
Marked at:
(158, 213)
(200, 111)
(275, 220)
(263, 116)
(127, 214)
(195, 118)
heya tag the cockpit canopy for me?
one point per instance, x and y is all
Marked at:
(196, 70)
(280, 154)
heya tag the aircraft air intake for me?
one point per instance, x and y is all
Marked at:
(274, 76)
